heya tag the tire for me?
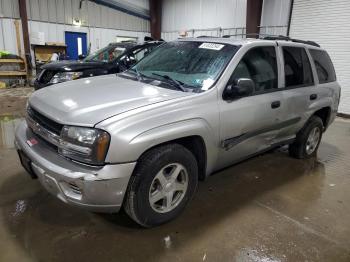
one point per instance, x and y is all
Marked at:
(301, 148)
(144, 181)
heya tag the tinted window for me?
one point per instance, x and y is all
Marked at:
(324, 66)
(260, 65)
(297, 68)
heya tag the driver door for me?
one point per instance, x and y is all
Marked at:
(250, 124)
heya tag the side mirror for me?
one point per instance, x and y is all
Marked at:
(242, 87)
(81, 57)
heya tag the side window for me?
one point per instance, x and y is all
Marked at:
(139, 53)
(297, 68)
(324, 66)
(260, 65)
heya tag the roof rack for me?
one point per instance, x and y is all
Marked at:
(275, 37)
(287, 38)
(246, 35)
(206, 36)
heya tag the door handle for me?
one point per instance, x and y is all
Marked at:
(275, 104)
(313, 97)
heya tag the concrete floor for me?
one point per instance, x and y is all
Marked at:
(269, 208)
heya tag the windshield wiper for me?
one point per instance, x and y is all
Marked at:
(177, 84)
(139, 75)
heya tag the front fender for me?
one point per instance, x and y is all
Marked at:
(130, 151)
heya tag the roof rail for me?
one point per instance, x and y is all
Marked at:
(308, 42)
(246, 35)
(275, 37)
(148, 38)
(286, 38)
(206, 36)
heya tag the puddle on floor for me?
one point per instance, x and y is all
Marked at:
(8, 124)
(269, 208)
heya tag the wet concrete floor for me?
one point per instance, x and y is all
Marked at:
(269, 208)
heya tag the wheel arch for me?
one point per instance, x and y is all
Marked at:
(196, 145)
(195, 135)
(325, 114)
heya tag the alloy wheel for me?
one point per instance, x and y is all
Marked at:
(168, 188)
(313, 140)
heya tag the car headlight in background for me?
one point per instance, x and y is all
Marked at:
(65, 76)
(87, 145)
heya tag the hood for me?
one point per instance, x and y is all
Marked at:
(87, 101)
(73, 65)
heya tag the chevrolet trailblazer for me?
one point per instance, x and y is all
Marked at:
(142, 139)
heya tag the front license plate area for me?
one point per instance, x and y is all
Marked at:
(26, 163)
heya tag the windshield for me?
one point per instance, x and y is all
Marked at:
(106, 54)
(196, 65)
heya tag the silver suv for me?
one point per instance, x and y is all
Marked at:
(143, 138)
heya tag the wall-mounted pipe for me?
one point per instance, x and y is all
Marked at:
(126, 8)
(290, 16)
(24, 20)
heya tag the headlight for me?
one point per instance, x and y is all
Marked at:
(65, 76)
(87, 145)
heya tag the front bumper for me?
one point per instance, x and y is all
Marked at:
(99, 189)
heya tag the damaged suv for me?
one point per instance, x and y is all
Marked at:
(142, 139)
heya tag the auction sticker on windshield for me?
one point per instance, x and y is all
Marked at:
(211, 46)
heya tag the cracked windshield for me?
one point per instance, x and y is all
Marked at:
(190, 66)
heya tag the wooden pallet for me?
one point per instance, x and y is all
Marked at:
(13, 73)
(11, 60)
(22, 73)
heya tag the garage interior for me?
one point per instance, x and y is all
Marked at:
(268, 208)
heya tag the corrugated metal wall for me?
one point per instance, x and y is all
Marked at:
(91, 14)
(8, 35)
(327, 23)
(9, 8)
(9, 11)
(274, 17)
(179, 15)
(98, 37)
(54, 17)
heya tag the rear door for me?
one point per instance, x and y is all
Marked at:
(250, 124)
(299, 88)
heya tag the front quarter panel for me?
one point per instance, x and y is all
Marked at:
(134, 132)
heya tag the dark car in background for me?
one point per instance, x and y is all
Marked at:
(114, 58)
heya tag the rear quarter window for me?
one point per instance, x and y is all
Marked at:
(324, 66)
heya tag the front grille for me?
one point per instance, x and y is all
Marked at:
(46, 76)
(44, 121)
(42, 140)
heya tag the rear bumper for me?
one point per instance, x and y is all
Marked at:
(99, 189)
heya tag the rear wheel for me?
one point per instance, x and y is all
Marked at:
(308, 139)
(164, 181)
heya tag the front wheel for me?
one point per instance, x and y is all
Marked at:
(164, 181)
(308, 139)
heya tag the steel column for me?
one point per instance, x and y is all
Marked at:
(254, 8)
(155, 7)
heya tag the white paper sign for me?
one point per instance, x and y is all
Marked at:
(211, 46)
(80, 46)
